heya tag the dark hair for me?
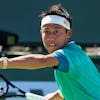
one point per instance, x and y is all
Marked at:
(57, 10)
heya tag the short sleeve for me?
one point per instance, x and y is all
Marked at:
(63, 62)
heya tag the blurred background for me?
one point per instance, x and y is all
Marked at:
(20, 35)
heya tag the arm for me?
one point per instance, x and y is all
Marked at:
(31, 61)
(54, 96)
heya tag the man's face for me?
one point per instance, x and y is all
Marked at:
(54, 37)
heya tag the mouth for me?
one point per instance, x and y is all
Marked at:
(52, 45)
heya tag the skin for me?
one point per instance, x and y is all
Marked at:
(54, 96)
(54, 37)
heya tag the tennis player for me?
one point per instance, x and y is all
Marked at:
(75, 73)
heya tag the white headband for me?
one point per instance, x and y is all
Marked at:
(56, 20)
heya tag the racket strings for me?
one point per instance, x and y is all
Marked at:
(3, 87)
(6, 85)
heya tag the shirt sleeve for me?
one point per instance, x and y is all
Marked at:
(63, 62)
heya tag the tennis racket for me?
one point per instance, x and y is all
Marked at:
(4, 89)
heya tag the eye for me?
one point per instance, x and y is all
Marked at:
(47, 32)
(56, 32)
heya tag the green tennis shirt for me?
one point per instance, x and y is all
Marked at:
(76, 75)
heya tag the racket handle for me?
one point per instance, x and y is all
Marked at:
(32, 96)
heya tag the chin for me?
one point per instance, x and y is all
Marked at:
(51, 50)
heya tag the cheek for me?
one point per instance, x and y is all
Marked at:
(63, 40)
(63, 37)
(43, 39)
(42, 36)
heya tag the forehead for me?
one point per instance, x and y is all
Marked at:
(51, 25)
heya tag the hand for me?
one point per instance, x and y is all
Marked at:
(53, 96)
(1, 62)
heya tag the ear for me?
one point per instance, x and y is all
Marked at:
(69, 33)
(40, 32)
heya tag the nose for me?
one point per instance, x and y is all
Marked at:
(51, 37)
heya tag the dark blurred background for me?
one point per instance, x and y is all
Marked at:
(22, 17)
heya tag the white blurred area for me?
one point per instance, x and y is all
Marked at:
(1, 47)
(93, 51)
